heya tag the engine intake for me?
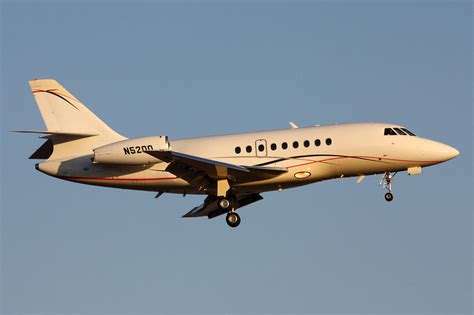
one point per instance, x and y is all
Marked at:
(132, 151)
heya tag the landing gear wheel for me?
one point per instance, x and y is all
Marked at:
(224, 203)
(386, 183)
(232, 219)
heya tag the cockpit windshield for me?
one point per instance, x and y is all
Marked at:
(389, 132)
(395, 131)
(408, 132)
(399, 131)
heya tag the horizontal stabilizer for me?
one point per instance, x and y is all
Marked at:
(59, 133)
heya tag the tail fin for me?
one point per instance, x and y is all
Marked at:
(71, 126)
(62, 112)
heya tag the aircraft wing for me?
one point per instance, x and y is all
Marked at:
(216, 169)
(210, 209)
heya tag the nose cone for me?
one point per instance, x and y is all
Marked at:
(449, 152)
(446, 152)
(436, 152)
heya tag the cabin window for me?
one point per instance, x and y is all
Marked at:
(400, 132)
(295, 144)
(317, 142)
(273, 146)
(328, 141)
(284, 145)
(408, 132)
(248, 149)
(389, 132)
(238, 150)
(261, 147)
(306, 143)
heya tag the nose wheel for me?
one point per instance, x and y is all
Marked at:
(386, 183)
(389, 197)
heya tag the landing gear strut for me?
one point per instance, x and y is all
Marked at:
(386, 183)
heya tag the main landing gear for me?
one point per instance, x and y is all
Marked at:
(224, 204)
(386, 183)
(232, 218)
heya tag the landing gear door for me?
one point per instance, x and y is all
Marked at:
(261, 147)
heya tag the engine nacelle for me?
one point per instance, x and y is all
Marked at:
(131, 151)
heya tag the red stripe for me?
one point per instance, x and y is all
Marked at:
(116, 179)
(362, 157)
(320, 161)
(64, 95)
(292, 166)
(399, 160)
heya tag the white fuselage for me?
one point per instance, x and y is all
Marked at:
(311, 154)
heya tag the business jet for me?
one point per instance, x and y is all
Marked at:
(230, 170)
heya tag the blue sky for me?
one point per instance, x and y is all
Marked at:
(193, 68)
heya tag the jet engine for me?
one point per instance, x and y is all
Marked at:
(131, 151)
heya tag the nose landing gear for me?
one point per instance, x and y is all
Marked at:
(386, 183)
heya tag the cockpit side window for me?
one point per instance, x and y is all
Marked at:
(408, 132)
(389, 132)
(400, 132)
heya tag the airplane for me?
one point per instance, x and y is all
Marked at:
(232, 171)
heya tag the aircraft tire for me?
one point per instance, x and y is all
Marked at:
(232, 219)
(389, 197)
(224, 204)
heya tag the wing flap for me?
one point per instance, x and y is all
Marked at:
(268, 170)
(214, 169)
(210, 209)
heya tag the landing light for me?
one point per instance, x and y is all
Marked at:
(301, 175)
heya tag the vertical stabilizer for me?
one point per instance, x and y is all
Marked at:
(72, 127)
(62, 112)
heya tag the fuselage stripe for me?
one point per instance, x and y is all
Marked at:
(338, 157)
(115, 178)
(332, 158)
